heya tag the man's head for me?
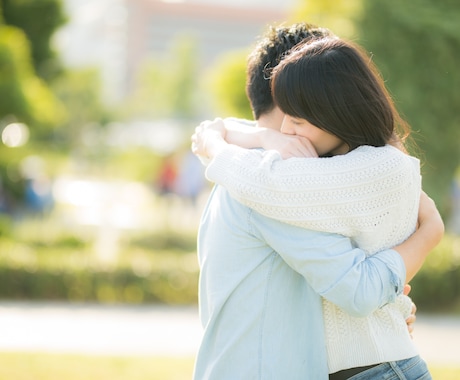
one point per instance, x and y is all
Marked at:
(276, 43)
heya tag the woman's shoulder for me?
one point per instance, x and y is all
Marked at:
(377, 150)
(385, 152)
(384, 160)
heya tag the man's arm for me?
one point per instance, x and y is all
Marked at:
(336, 270)
(344, 275)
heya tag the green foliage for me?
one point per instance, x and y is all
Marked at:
(137, 164)
(227, 82)
(12, 159)
(5, 225)
(166, 86)
(80, 93)
(39, 19)
(25, 97)
(437, 285)
(98, 285)
(337, 15)
(57, 265)
(183, 83)
(416, 44)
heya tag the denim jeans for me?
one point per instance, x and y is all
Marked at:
(409, 369)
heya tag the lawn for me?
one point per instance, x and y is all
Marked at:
(42, 366)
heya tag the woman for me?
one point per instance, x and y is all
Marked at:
(333, 97)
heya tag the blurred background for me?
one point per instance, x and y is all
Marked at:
(100, 197)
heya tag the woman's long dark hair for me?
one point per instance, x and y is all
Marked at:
(334, 85)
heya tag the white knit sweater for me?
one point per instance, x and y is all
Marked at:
(370, 195)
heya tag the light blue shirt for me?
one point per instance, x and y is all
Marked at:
(260, 291)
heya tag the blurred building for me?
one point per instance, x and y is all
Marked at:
(117, 35)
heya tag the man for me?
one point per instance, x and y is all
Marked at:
(261, 280)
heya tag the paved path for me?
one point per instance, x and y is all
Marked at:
(158, 330)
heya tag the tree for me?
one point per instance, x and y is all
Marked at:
(183, 81)
(79, 91)
(227, 81)
(337, 15)
(165, 86)
(416, 45)
(39, 19)
(25, 97)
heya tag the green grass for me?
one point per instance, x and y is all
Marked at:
(445, 373)
(42, 366)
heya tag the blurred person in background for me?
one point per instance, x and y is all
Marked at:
(166, 181)
(190, 181)
(261, 318)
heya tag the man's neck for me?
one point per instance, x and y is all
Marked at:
(271, 120)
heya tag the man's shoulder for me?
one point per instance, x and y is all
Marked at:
(250, 123)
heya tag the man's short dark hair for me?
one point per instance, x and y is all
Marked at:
(276, 43)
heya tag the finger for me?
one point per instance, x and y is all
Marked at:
(407, 289)
(309, 147)
(411, 319)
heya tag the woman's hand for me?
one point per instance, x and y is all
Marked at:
(212, 136)
(287, 145)
(410, 320)
(209, 138)
(428, 234)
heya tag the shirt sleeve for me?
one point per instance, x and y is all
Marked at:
(336, 270)
(341, 194)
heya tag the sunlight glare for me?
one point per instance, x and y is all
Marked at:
(15, 135)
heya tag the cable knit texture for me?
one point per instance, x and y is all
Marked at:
(370, 195)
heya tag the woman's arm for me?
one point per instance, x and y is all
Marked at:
(211, 137)
(428, 235)
(352, 194)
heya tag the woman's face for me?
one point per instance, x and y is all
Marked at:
(324, 142)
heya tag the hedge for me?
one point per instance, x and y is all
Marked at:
(116, 286)
(147, 272)
(159, 268)
(436, 287)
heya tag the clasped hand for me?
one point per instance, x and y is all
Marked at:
(212, 136)
(287, 145)
(208, 137)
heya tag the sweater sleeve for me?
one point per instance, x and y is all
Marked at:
(348, 194)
